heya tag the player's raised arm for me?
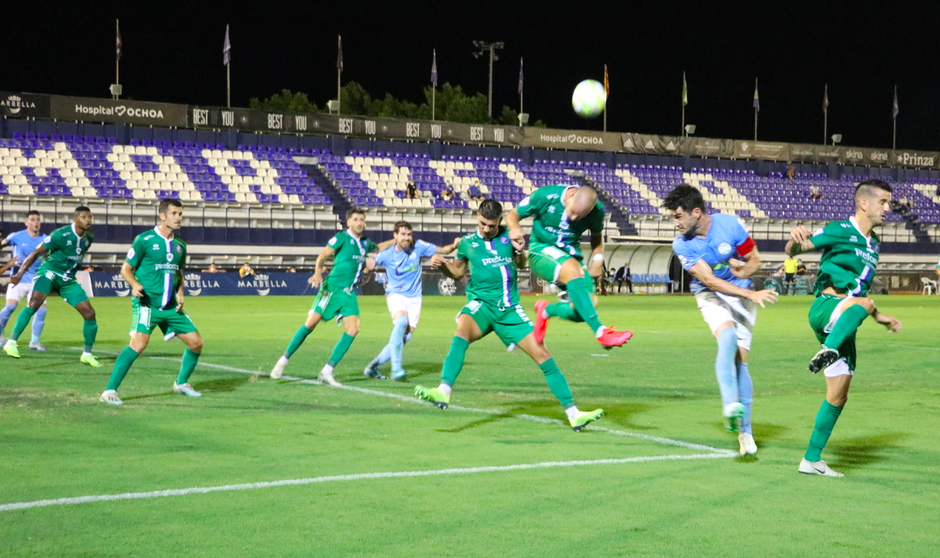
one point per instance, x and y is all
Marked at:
(317, 278)
(382, 246)
(596, 265)
(800, 241)
(455, 269)
(703, 273)
(513, 223)
(448, 248)
(38, 252)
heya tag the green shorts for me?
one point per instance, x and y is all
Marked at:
(545, 261)
(68, 289)
(332, 304)
(822, 316)
(145, 319)
(511, 325)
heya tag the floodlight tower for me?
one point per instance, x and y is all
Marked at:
(484, 46)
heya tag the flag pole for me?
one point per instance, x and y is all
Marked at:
(227, 60)
(434, 84)
(826, 115)
(520, 86)
(684, 101)
(756, 108)
(117, 62)
(339, 72)
(605, 100)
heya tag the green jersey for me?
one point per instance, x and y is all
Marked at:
(551, 225)
(849, 258)
(348, 262)
(158, 264)
(65, 252)
(492, 269)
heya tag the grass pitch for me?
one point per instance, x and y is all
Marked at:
(497, 474)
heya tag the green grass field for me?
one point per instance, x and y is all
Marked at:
(503, 476)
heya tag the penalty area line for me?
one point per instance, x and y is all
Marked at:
(339, 478)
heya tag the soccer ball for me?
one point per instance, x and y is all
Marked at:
(589, 98)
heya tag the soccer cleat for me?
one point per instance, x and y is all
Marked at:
(434, 395)
(818, 468)
(326, 377)
(734, 413)
(37, 346)
(610, 338)
(185, 389)
(372, 372)
(169, 336)
(400, 375)
(90, 360)
(11, 349)
(746, 441)
(823, 358)
(541, 321)
(278, 369)
(110, 397)
(583, 418)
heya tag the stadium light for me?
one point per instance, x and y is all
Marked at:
(689, 129)
(483, 47)
(116, 89)
(332, 105)
(836, 138)
(523, 119)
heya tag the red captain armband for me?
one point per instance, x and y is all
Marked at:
(746, 247)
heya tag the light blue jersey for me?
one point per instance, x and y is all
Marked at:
(727, 238)
(404, 267)
(23, 245)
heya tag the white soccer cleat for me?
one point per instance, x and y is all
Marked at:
(326, 377)
(37, 346)
(185, 389)
(818, 468)
(278, 369)
(110, 397)
(746, 441)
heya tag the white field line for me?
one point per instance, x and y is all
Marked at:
(336, 478)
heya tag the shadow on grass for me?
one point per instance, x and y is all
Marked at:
(764, 431)
(224, 384)
(858, 452)
(414, 371)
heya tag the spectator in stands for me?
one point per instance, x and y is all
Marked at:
(411, 191)
(474, 191)
(212, 269)
(292, 269)
(619, 276)
(801, 267)
(245, 270)
(447, 192)
(791, 171)
(902, 205)
(814, 191)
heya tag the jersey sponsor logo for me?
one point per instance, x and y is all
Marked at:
(498, 261)
(865, 255)
(724, 248)
(166, 266)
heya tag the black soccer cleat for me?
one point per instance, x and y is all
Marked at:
(823, 358)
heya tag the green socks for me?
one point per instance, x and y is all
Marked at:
(557, 382)
(454, 361)
(825, 421)
(190, 359)
(123, 363)
(89, 332)
(26, 314)
(579, 292)
(564, 311)
(340, 349)
(845, 326)
(297, 341)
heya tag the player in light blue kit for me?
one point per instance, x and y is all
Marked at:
(23, 244)
(708, 246)
(402, 263)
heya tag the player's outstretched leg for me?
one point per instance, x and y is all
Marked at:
(4, 318)
(727, 374)
(842, 330)
(22, 320)
(372, 369)
(351, 323)
(299, 337)
(453, 364)
(39, 322)
(579, 291)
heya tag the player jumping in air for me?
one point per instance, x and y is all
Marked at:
(846, 269)
(561, 215)
(706, 246)
(154, 268)
(492, 259)
(403, 265)
(64, 250)
(23, 243)
(337, 296)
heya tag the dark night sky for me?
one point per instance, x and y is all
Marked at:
(173, 53)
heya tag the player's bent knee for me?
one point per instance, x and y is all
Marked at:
(866, 303)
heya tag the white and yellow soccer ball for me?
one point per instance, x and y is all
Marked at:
(589, 98)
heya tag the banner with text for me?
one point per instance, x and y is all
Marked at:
(127, 112)
(24, 105)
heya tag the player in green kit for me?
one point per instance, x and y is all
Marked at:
(846, 269)
(154, 269)
(493, 306)
(337, 296)
(64, 251)
(561, 215)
